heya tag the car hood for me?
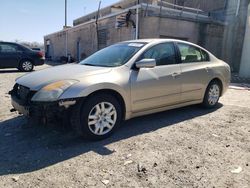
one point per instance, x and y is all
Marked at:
(37, 80)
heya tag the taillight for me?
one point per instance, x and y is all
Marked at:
(40, 54)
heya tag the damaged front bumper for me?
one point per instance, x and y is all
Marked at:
(42, 109)
(49, 110)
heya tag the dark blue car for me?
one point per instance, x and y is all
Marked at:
(13, 55)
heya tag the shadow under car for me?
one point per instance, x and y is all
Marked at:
(29, 148)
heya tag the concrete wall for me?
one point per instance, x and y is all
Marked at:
(211, 38)
(245, 60)
(57, 44)
(108, 10)
(205, 5)
(224, 39)
(154, 27)
(207, 35)
(86, 35)
(234, 33)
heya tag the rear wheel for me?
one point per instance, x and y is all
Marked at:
(212, 95)
(26, 66)
(97, 117)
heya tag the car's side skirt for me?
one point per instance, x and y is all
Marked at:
(161, 109)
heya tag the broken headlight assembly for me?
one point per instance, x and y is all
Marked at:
(53, 91)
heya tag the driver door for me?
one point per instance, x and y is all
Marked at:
(159, 86)
(9, 56)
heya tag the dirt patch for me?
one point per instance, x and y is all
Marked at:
(187, 147)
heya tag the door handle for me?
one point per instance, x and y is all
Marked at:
(175, 74)
(208, 69)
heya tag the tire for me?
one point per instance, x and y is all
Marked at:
(26, 66)
(212, 95)
(97, 117)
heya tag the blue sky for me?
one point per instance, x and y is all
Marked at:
(30, 20)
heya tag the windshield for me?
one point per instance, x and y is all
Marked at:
(113, 56)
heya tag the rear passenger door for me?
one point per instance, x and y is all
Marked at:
(195, 65)
(9, 56)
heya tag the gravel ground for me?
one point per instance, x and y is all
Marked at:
(187, 147)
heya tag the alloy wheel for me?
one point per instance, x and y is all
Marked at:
(102, 118)
(27, 66)
(213, 94)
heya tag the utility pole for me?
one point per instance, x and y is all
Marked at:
(66, 33)
(137, 21)
(65, 14)
(96, 22)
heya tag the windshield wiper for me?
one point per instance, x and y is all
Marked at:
(88, 64)
(97, 65)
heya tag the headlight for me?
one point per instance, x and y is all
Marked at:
(53, 91)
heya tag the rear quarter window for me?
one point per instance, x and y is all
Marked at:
(205, 56)
(192, 54)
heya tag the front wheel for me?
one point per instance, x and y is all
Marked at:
(97, 117)
(212, 95)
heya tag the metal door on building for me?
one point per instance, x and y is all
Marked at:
(47, 53)
(78, 53)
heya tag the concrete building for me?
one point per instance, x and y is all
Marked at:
(218, 25)
(245, 60)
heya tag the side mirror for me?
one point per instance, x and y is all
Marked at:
(146, 63)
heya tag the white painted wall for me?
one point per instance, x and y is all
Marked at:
(245, 59)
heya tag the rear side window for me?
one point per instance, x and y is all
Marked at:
(192, 54)
(8, 48)
(164, 54)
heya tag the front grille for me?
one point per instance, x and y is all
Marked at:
(24, 94)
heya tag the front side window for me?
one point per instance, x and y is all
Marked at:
(113, 56)
(192, 54)
(7, 48)
(164, 54)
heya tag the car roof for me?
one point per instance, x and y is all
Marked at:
(156, 40)
(2, 42)
(14, 43)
